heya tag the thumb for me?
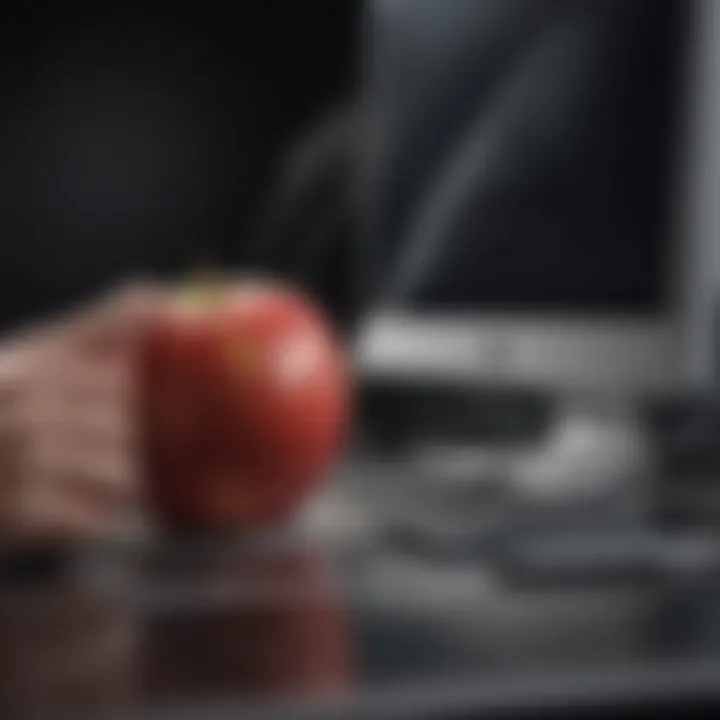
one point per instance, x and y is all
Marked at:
(115, 322)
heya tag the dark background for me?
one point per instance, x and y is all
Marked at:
(143, 138)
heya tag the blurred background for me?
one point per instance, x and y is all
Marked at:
(142, 140)
(509, 211)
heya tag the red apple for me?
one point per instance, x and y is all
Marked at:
(244, 395)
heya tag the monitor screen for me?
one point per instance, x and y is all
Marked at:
(526, 153)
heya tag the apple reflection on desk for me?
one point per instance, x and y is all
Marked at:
(277, 632)
(271, 625)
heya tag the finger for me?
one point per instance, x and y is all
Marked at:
(78, 430)
(110, 327)
(78, 381)
(45, 512)
(18, 375)
(117, 319)
(106, 475)
(78, 411)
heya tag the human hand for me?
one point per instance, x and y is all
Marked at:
(67, 458)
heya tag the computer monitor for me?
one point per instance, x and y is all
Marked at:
(543, 185)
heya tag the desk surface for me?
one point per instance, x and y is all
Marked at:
(215, 628)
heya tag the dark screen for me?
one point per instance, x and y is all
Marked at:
(526, 152)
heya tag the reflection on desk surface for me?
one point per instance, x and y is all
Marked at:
(295, 624)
